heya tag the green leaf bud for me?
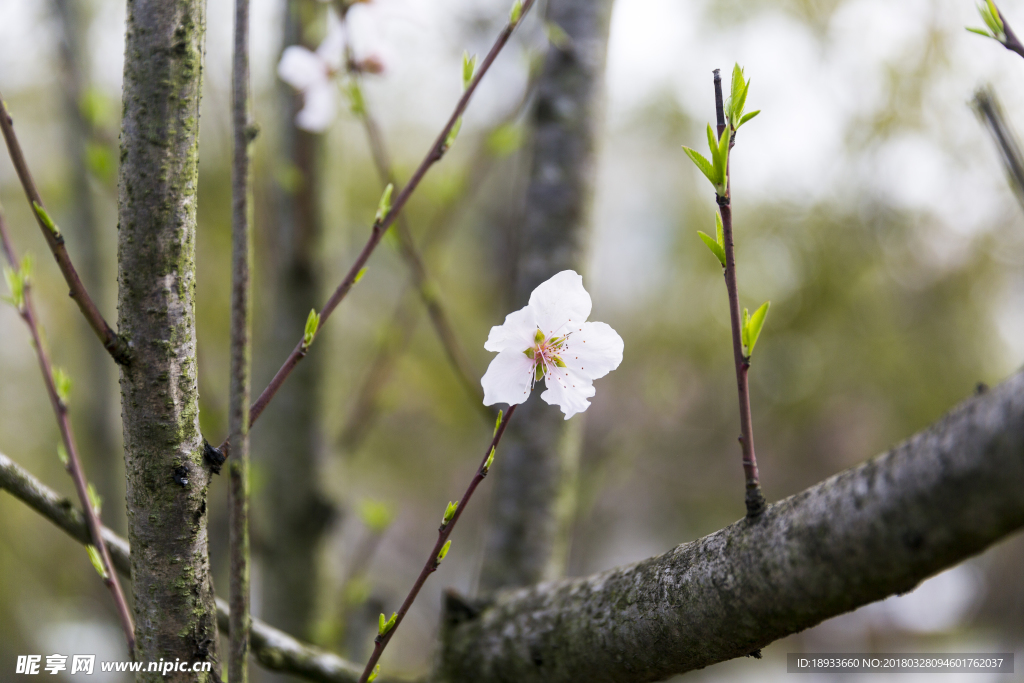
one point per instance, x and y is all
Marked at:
(449, 512)
(384, 205)
(47, 221)
(97, 561)
(444, 551)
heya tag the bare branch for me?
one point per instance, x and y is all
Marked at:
(114, 344)
(987, 106)
(273, 649)
(26, 310)
(876, 530)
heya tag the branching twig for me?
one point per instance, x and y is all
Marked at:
(241, 197)
(380, 225)
(440, 548)
(274, 649)
(754, 499)
(407, 248)
(73, 465)
(114, 344)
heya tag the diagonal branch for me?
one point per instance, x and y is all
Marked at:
(987, 106)
(115, 345)
(876, 530)
(26, 310)
(421, 280)
(380, 226)
(274, 649)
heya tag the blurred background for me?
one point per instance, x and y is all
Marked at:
(870, 205)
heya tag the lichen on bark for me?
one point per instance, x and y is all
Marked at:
(166, 478)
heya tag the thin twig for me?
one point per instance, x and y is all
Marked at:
(114, 344)
(754, 498)
(241, 228)
(1012, 43)
(275, 650)
(74, 464)
(434, 559)
(987, 106)
(434, 154)
(407, 248)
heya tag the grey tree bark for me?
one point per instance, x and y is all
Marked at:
(294, 514)
(167, 478)
(873, 531)
(82, 222)
(537, 458)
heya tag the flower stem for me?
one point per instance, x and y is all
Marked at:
(431, 565)
(754, 499)
(74, 464)
(434, 154)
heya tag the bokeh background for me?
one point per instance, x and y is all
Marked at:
(870, 207)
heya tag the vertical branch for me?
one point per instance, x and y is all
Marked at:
(26, 310)
(524, 520)
(294, 514)
(754, 499)
(241, 258)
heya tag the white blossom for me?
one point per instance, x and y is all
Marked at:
(550, 338)
(312, 74)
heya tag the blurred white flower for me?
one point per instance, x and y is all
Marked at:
(550, 338)
(312, 74)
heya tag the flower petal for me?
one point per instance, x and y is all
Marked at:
(567, 390)
(560, 301)
(321, 105)
(516, 334)
(301, 68)
(507, 379)
(333, 46)
(592, 350)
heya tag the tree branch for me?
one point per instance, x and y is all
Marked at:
(876, 530)
(434, 154)
(987, 106)
(26, 310)
(241, 339)
(273, 649)
(114, 344)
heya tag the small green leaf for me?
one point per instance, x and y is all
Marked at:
(501, 414)
(980, 32)
(62, 383)
(444, 551)
(359, 275)
(97, 562)
(701, 163)
(47, 221)
(356, 102)
(516, 13)
(505, 139)
(745, 331)
(754, 326)
(16, 285)
(312, 325)
(452, 134)
(714, 246)
(384, 205)
(557, 36)
(95, 499)
(719, 231)
(384, 625)
(373, 676)
(62, 455)
(376, 515)
(489, 462)
(993, 19)
(468, 69)
(747, 117)
(449, 512)
(380, 624)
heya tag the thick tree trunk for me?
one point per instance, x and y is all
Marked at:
(293, 515)
(539, 450)
(167, 478)
(873, 531)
